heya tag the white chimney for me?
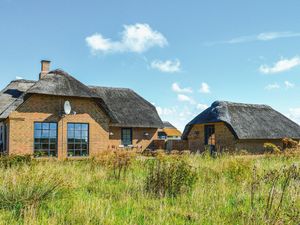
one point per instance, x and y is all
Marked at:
(45, 68)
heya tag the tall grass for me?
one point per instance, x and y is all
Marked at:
(228, 190)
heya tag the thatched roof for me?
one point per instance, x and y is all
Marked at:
(12, 96)
(170, 129)
(248, 121)
(167, 124)
(123, 106)
(60, 83)
(128, 108)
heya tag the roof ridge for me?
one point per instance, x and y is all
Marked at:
(218, 102)
(107, 87)
(23, 80)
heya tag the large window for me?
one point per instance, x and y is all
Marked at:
(78, 139)
(126, 136)
(45, 139)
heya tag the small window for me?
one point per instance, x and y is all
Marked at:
(162, 135)
(78, 139)
(126, 136)
(45, 139)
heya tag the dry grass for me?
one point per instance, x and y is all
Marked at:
(228, 190)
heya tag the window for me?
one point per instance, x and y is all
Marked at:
(209, 132)
(45, 139)
(78, 139)
(162, 135)
(126, 136)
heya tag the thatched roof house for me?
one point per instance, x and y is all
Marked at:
(117, 116)
(169, 132)
(239, 126)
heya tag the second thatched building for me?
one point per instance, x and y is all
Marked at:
(237, 126)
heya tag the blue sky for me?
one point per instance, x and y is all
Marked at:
(179, 55)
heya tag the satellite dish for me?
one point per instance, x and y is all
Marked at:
(67, 107)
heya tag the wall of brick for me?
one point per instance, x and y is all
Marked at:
(179, 145)
(256, 146)
(43, 108)
(225, 140)
(139, 140)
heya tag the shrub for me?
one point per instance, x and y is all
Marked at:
(289, 143)
(24, 188)
(169, 176)
(7, 161)
(271, 148)
(278, 183)
(237, 169)
(118, 161)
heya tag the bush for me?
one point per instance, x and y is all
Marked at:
(118, 161)
(169, 176)
(289, 143)
(24, 188)
(271, 148)
(237, 169)
(7, 161)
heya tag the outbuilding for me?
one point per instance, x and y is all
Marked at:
(237, 126)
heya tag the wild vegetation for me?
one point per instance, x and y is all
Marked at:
(126, 188)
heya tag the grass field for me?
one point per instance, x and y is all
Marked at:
(227, 190)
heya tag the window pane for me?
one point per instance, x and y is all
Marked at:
(77, 134)
(84, 146)
(77, 126)
(77, 152)
(37, 133)
(45, 133)
(70, 126)
(85, 127)
(71, 146)
(53, 126)
(37, 126)
(84, 134)
(45, 146)
(37, 146)
(45, 126)
(52, 133)
(71, 134)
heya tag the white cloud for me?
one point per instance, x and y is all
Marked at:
(265, 36)
(136, 38)
(167, 66)
(280, 66)
(272, 86)
(202, 106)
(185, 98)
(204, 88)
(178, 89)
(294, 114)
(19, 78)
(288, 84)
(165, 111)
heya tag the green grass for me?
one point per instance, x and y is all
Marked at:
(85, 192)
